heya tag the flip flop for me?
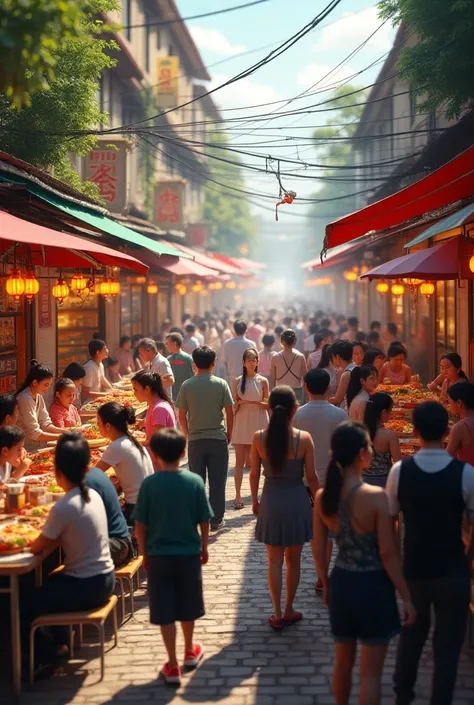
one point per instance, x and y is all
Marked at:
(288, 621)
(276, 623)
(238, 505)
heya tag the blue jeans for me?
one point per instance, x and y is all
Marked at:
(210, 457)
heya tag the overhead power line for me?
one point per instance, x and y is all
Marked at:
(176, 20)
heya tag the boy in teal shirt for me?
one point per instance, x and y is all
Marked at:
(171, 505)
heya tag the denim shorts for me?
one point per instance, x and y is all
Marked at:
(362, 607)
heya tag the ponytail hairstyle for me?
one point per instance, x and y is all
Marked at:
(72, 458)
(244, 373)
(456, 362)
(326, 357)
(37, 373)
(154, 381)
(349, 438)
(282, 404)
(358, 374)
(61, 385)
(119, 417)
(377, 404)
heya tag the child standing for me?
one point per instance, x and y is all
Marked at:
(171, 505)
(63, 411)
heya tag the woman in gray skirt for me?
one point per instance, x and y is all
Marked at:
(284, 522)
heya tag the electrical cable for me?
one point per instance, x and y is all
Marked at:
(195, 17)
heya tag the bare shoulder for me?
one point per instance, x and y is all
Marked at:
(305, 437)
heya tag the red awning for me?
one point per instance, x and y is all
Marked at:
(231, 264)
(448, 260)
(250, 264)
(451, 182)
(183, 267)
(52, 248)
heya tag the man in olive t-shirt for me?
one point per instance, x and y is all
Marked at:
(203, 402)
(181, 363)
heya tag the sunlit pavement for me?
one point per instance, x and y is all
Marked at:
(246, 662)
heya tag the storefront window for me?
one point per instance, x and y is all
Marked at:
(78, 320)
(131, 311)
(445, 304)
(9, 322)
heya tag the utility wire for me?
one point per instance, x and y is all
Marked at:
(195, 17)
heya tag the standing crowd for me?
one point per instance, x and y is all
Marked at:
(297, 398)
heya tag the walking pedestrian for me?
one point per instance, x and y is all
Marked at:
(385, 443)
(250, 392)
(361, 589)
(289, 365)
(181, 363)
(284, 511)
(362, 384)
(171, 505)
(205, 407)
(232, 351)
(434, 491)
(341, 351)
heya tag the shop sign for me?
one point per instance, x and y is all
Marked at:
(107, 167)
(8, 384)
(198, 234)
(169, 205)
(167, 81)
(45, 316)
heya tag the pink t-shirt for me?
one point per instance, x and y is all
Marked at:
(160, 413)
(62, 417)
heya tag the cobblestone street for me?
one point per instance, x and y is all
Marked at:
(246, 663)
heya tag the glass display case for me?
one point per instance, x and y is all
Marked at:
(77, 322)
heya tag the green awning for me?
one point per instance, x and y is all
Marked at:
(455, 220)
(97, 220)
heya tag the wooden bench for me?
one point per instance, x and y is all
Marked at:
(96, 617)
(127, 574)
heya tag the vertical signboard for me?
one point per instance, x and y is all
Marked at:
(167, 81)
(107, 167)
(169, 205)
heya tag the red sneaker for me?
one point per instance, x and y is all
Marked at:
(319, 587)
(172, 676)
(192, 658)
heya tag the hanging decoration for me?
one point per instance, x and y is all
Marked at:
(32, 285)
(398, 289)
(78, 282)
(382, 287)
(286, 197)
(152, 288)
(15, 284)
(231, 285)
(427, 289)
(109, 286)
(350, 275)
(60, 290)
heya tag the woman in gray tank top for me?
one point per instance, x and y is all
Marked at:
(361, 589)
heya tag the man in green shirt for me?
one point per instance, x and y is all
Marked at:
(181, 363)
(171, 505)
(203, 402)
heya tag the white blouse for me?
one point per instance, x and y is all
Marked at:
(33, 419)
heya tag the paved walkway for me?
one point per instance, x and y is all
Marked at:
(246, 663)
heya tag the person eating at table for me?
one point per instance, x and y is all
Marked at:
(13, 460)
(461, 438)
(395, 371)
(148, 387)
(34, 419)
(95, 382)
(63, 412)
(451, 372)
(76, 372)
(78, 522)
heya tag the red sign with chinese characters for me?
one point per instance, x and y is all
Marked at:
(106, 167)
(45, 316)
(197, 234)
(169, 202)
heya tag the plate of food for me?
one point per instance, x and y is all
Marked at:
(17, 537)
(403, 429)
(41, 462)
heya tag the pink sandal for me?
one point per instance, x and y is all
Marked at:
(276, 623)
(297, 617)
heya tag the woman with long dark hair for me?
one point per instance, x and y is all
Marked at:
(451, 372)
(124, 453)
(284, 511)
(385, 443)
(363, 382)
(250, 393)
(79, 523)
(149, 388)
(361, 589)
(326, 364)
(34, 419)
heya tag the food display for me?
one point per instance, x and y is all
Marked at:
(42, 462)
(41, 511)
(17, 537)
(400, 427)
(409, 447)
(407, 395)
(127, 398)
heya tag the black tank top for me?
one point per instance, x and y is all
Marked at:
(432, 505)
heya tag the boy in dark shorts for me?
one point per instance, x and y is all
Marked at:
(171, 505)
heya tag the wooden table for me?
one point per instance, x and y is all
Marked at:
(12, 567)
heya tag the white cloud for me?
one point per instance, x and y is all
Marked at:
(352, 29)
(244, 92)
(213, 40)
(316, 75)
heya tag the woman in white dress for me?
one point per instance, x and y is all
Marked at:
(250, 393)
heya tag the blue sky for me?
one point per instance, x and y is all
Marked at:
(223, 37)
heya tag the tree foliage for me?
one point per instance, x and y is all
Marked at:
(69, 105)
(336, 153)
(231, 222)
(440, 66)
